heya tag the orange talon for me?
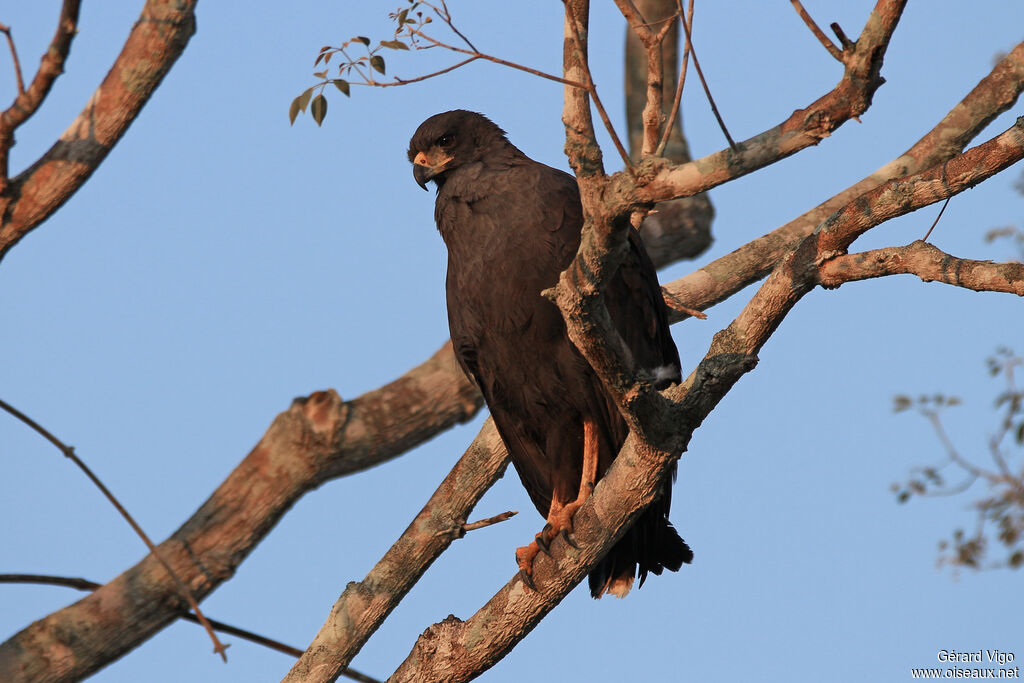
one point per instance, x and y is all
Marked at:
(560, 514)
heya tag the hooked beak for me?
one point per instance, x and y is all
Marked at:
(426, 166)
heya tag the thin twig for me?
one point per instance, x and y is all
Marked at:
(498, 60)
(69, 452)
(86, 585)
(6, 30)
(446, 16)
(818, 33)
(670, 122)
(480, 524)
(660, 35)
(673, 302)
(405, 81)
(936, 222)
(707, 91)
(846, 42)
(951, 451)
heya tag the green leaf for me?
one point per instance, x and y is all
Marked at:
(320, 74)
(394, 44)
(341, 84)
(377, 62)
(293, 111)
(318, 109)
(318, 58)
(1020, 433)
(362, 39)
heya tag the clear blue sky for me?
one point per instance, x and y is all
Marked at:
(220, 263)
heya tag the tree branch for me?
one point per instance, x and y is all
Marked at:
(69, 453)
(805, 127)
(28, 100)
(364, 606)
(798, 272)
(156, 41)
(722, 278)
(6, 30)
(318, 438)
(679, 228)
(928, 263)
(86, 585)
(818, 33)
(581, 146)
(454, 650)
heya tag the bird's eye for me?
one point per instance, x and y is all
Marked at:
(445, 141)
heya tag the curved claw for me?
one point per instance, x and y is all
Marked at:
(527, 579)
(570, 538)
(543, 544)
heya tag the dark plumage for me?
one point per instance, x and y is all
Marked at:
(511, 226)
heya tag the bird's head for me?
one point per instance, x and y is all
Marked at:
(449, 140)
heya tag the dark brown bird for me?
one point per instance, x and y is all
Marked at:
(511, 226)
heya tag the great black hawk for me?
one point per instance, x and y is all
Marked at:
(511, 226)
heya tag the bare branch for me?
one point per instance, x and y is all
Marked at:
(653, 116)
(818, 33)
(707, 90)
(679, 228)
(686, 17)
(28, 101)
(6, 30)
(722, 278)
(69, 453)
(805, 127)
(488, 521)
(456, 650)
(936, 221)
(928, 263)
(363, 606)
(156, 41)
(86, 585)
(490, 58)
(318, 438)
(798, 272)
(581, 144)
(903, 195)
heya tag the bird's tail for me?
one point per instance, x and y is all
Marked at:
(651, 545)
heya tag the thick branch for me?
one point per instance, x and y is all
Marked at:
(798, 273)
(805, 127)
(900, 196)
(154, 44)
(456, 650)
(928, 263)
(722, 278)
(365, 605)
(316, 439)
(580, 140)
